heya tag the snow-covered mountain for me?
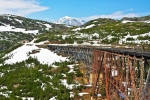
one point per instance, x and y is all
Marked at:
(15, 23)
(69, 21)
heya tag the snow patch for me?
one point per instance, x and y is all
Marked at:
(127, 21)
(71, 94)
(82, 93)
(48, 26)
(20, 21)
(90, 26)
(45, 56)
(27, 98)
(69, 86)
(80, 28)
(71, 68)
(53, 98)
(13, 29)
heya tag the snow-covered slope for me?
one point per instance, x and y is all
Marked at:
(13, 29)
(69, 21)
(44, 56)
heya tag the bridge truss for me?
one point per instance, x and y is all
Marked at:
(83, 54)
(122, 76)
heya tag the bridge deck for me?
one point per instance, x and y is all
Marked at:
(125, 51)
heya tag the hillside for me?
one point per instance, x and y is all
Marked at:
(104, 31)
(15, 29)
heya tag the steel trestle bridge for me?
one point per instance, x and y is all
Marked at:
(115, 72)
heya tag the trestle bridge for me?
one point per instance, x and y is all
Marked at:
(113, 70)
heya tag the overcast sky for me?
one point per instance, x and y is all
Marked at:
(85, 9)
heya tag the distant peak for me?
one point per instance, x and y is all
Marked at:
(69, 21)
(67, 17)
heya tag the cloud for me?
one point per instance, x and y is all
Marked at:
(20, 7)
(116, 15)
(131, 9)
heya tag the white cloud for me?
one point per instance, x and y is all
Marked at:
(116, 15)
(131, 9)
(20, 7)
